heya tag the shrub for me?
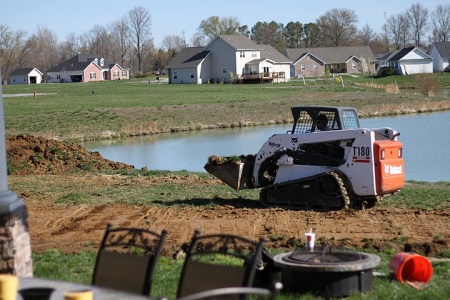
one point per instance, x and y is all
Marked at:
(386, 71)
(427, 84)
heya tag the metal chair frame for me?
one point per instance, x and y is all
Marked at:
(200, 275)
(127, 258)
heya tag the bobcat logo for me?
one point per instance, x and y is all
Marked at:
(294, 140)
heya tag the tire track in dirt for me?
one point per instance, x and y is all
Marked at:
(78, 228)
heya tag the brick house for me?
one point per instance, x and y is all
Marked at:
(310, 62)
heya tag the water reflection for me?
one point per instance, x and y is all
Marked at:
(424, 136)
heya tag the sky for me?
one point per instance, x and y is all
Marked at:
(183, 17)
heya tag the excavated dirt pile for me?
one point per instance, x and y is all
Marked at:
(28, 154)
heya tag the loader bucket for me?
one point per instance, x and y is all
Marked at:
(236, 175)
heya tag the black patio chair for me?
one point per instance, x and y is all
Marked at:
(215, 261)
(238, 293)
(127, 258)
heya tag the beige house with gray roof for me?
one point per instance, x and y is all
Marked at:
(309, 62)
(229, 58)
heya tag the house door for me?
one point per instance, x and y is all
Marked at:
(266, 71)
(33, 79)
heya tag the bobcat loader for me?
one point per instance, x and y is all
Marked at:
(326, 162)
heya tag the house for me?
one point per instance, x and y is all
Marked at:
(309, 62)
(25, 76)
(229, 58)
(409, 60)
(440, 52)
(86, 68)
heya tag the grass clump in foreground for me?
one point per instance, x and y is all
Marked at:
(54, 264)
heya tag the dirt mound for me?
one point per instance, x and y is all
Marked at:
(28, 154)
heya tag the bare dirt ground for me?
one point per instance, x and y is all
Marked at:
(78, 228)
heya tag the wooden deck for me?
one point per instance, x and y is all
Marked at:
(268, 77)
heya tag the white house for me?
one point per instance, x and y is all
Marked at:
(229, 58)
(25, 76)
(440, 52)
(409, 60)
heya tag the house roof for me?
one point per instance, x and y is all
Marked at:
(270, 53)
(188, 57)
(443, 48)
(239, 42)
(309, 54)
(399, 54)
(332, 54)
(24, 71)
(80, 62)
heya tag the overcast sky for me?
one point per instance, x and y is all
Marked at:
(177, 17)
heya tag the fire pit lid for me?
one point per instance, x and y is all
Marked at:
(327, 259)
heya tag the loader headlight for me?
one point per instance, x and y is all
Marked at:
(400, 152)
(383, 154)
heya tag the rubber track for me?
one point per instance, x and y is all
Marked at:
(339, 179)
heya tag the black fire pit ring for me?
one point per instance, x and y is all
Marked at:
(327, 272)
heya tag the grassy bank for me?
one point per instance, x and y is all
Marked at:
(102, 110)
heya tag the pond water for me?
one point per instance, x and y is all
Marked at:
(425, 138)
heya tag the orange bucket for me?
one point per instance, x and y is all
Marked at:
(410, 267)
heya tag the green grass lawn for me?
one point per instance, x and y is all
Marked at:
(78, 268)
(86, 111)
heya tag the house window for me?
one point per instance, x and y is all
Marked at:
(58, 77)
(124, 73)
(303, 67)
(102, 62)
(242, 54)
(116, 74)
(254, 54)
(175, 75)
(192, 74)
(92, 75)
(224, 70)
(353, 65)
(315, 67)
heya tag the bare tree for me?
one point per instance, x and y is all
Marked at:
(44, 48)
(196, 40)
(397, 30)
(120, 33)
(338, 26)
(366, 35)
(215, 26)
(418, 18)
(140, 23)
(440, 19)
(173, 42)
(98, 41)
(70, 47)
(12, 47)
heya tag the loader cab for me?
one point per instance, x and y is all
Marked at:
(323, 118)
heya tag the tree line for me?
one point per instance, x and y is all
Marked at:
(128, 40)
